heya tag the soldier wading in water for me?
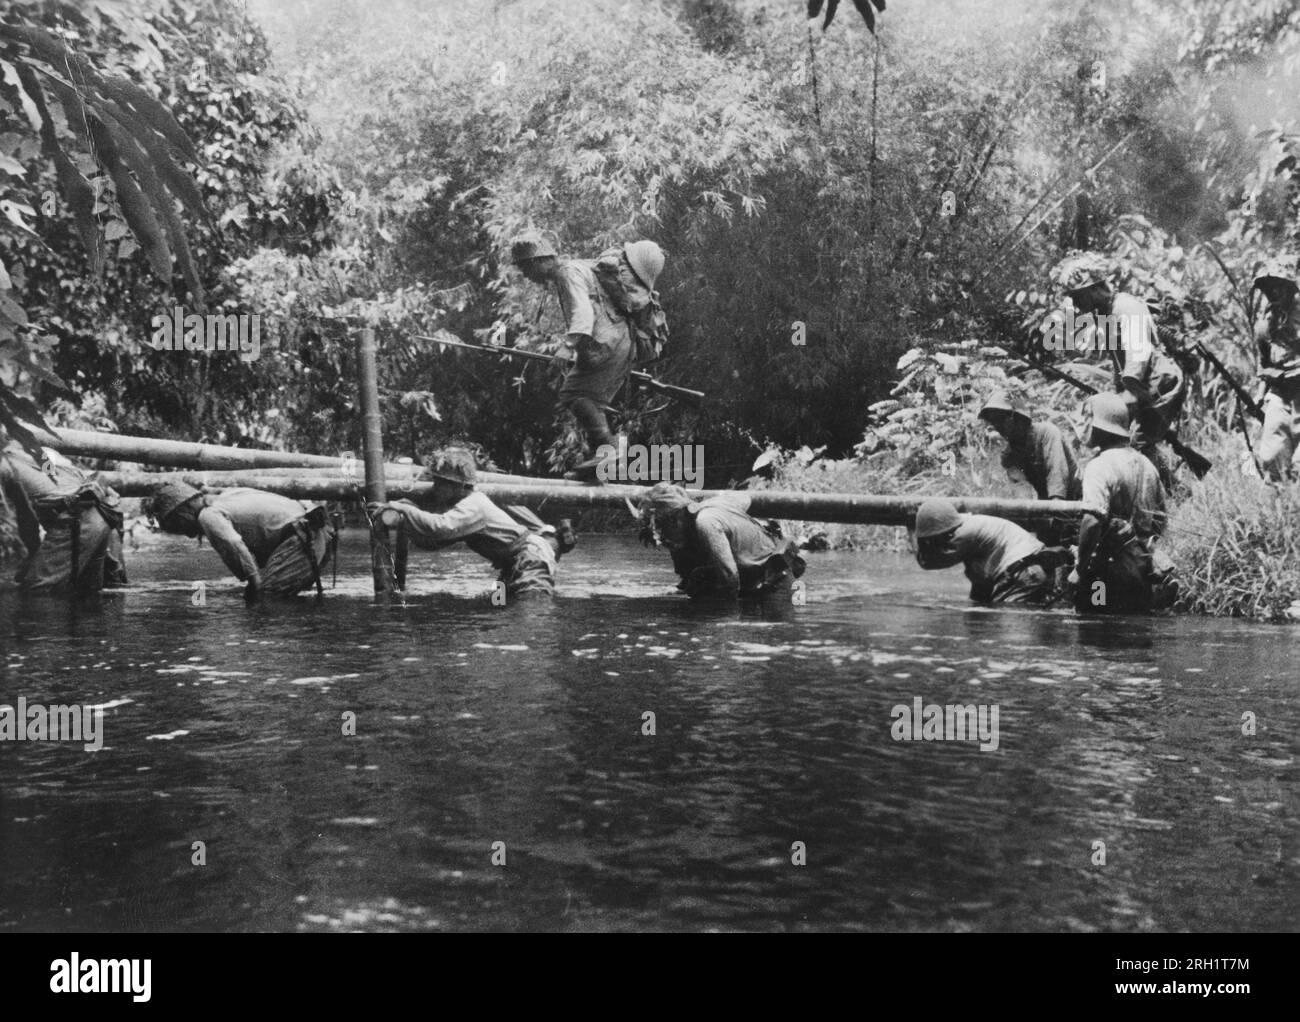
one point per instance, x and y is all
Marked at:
(1005, 564)
(718, 549)
(522, 548)
(1118, 569)
(274, 544)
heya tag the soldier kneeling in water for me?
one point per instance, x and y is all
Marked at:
(520, 546)
(718, 549)
(1005, 564)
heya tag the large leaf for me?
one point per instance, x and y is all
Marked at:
(139, 213)
(77, 191)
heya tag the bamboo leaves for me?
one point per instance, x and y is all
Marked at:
(132, 135)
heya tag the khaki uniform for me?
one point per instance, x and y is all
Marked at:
(602, 367)
(1278, 448)
(273, 536)
(993, 551)
(81, 549)
(732, 554)
(1122, 487)
(1047, 463)
(526, 561)
(1142, 362)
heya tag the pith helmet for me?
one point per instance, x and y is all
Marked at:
(530, 246)
(1002, 402)
(646, 259)
(1281, 268)
(1110, 415)
(1081, 271)
(935, 517)
(168, 497)
(455, 464)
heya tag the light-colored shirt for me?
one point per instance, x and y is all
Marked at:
(1047, 462)
(1122, 483)
(734, 542)
(484, 527)
(1142, 360)
(988, 545)
(245, 526)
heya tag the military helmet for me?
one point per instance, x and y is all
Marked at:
(455, 464)
(168, 497)
(666, 497)
(1281, 268)
(1110, 414)
(1000, 401)
(530, 246)
(1082, 270)
(646, 259)
(936, 517)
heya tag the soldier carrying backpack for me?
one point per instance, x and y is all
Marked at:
(612, 320)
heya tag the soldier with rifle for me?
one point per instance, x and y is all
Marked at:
(603, 336)
(1152, 382)
(1279, 356)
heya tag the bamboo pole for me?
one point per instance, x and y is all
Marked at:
(372, 428)
(214, 457)
(849, 509)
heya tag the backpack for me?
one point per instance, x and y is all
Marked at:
(634, 301)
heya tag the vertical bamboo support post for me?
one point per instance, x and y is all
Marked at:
(372, 439)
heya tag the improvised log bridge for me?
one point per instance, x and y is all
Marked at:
(215, 458)
(848, 509)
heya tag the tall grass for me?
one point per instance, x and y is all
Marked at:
(1234, 541)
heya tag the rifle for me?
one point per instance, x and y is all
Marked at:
(694, 398)
(1198, 463)
(1243, 396)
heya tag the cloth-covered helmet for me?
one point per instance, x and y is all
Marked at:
(1281, 268)
(455, 464)
(1000, 401)
(530, 246)
(1082, 270)
(666, 497)
(646, 259)
(168, 497)
(1110, 414)
(936, 517)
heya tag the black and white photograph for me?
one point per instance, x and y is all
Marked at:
(651, 466)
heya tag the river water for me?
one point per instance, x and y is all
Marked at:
(524, 725)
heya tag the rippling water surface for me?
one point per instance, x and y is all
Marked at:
(523, 725)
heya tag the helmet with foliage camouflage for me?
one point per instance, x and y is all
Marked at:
(454, 464)
(936, 517)
(1281, 268)
(1081, 270)
(530, 246)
